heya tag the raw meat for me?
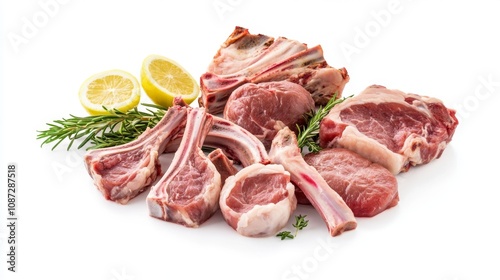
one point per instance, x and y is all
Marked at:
(242, 50)
(264, 108)
(246, 58)
(332, 208)
(259, 200)
(236, 142)
(367, 188)
(122, 172)
(223, 164)
(188, 192)
(390, 127)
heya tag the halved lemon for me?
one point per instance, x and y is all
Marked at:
(163, 79)
(114, 89)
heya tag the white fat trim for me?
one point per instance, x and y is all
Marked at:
(371, 149)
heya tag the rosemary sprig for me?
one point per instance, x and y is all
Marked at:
(102, 130)
(300, 223)
(308, 134)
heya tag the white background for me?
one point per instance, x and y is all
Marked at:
(446, 226)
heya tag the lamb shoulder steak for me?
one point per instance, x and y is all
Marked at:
(188, 192)
(259, 200)
(264, 108)
(367, 188)
(395, 129)
(122, 172)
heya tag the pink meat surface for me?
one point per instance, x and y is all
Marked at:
(249, 58)
(329, 204)
(264, 108)
(188, 192)
(122, 172)
(367, 188)
(237, 143)
(259, 200)
(223, 164)
(395, 129)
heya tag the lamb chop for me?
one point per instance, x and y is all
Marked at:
(259, 200)
(395, 129)
(188, 192)
(122, 172)
(237, 143)
(332, 208)
(246, 58)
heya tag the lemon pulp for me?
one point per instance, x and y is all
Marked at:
(113, 89)
(163, 79)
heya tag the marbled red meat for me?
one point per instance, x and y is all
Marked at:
(332, 208)
(248, 58)
(264, 108)
(367, 188)
(395, 129)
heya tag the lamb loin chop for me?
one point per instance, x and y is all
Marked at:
(188, 192)
(367, 188)
(332, 208)
(259, 200)
(395, 129)
(122, 172)
(264, 108)
(247, 58)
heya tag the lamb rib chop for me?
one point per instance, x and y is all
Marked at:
(122, 172)
(395, 129)
(237, 143)
(188, 192)
(245, 58)
(259, 200)
(332, 208)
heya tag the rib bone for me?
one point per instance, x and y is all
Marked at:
(332, 208)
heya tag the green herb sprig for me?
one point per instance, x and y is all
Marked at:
(308, 134)
(300, 224)
(103, 130)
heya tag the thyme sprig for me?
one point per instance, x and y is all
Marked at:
(300, 224)
(102, 130)
(308, 134)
